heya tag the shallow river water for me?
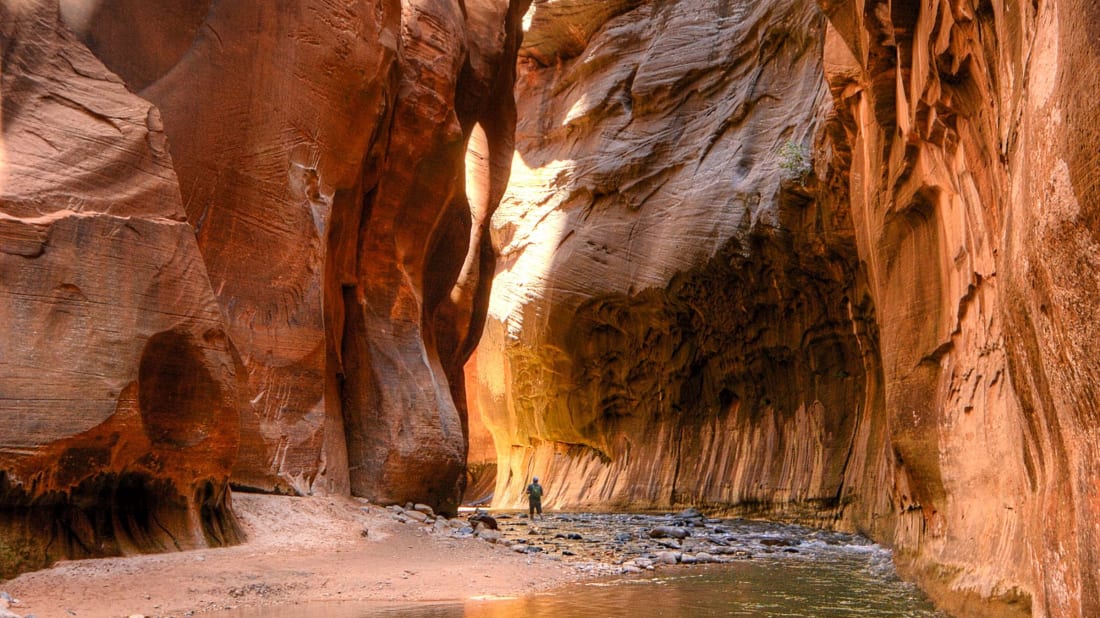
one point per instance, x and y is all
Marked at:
(792, 571)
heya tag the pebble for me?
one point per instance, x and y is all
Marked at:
(491, 536)
(674, 532)
(5, 613)
(424, 508)
(668, 557)
(419, 516)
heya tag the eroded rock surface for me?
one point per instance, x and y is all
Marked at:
(902, 341)
(118, 385)
(676, 317)
(968, 148)
(338, 162)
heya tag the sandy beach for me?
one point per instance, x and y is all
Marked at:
(298, 550)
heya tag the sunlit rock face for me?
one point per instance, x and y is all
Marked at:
(338, 162)
(677, 318)
(118, 385)
(903, 341)
(969, 137)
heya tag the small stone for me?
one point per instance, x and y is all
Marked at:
(673, 532)
(365, 532)
(491, 536)
(4, 613)
(424, 508)
(566, 552)
(668, 557)
(623, 537)
(409, 506)
(419, 516)
(534, 549)
(691, 513)
(631, 570)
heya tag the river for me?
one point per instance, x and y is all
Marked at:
(789, 571)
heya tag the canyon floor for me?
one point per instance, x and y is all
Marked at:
(298, 550)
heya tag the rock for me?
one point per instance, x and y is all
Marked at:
(668, 557)
(418, 516)
(281, 158)
(486, 534)
(484, 520)
(5, 613)
(631, 570)
(118, 381)
(690, 513)
(534, 549)
(623, 537)
(566, 552)
(424, 508)
(653, 298)
(672, 532)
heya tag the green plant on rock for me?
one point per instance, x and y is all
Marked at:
(794, 160)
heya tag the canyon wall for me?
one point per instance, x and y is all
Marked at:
(677, 316)
(119, 388)
(264, 268)
(874, 308)
(338, 163)
(969, 139)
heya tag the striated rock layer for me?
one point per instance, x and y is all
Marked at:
(965, 136)
(676, 317)
(901, 340)
(118, 386)
(338, 162)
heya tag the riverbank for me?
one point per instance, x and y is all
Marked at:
(298, 550)
(335, 554)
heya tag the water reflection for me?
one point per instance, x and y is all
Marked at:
(830, 575)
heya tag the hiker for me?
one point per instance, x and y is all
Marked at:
(534, 498)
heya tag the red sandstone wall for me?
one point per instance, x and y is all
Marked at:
(119, 388)
(335, 162)
(904, 342)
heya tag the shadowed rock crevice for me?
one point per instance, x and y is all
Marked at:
(108, 514)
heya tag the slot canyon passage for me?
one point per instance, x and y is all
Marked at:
(833, 263)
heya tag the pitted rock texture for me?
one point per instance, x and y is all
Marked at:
(966, 134)
(118, 386)
(676, 317)
(338, 162)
